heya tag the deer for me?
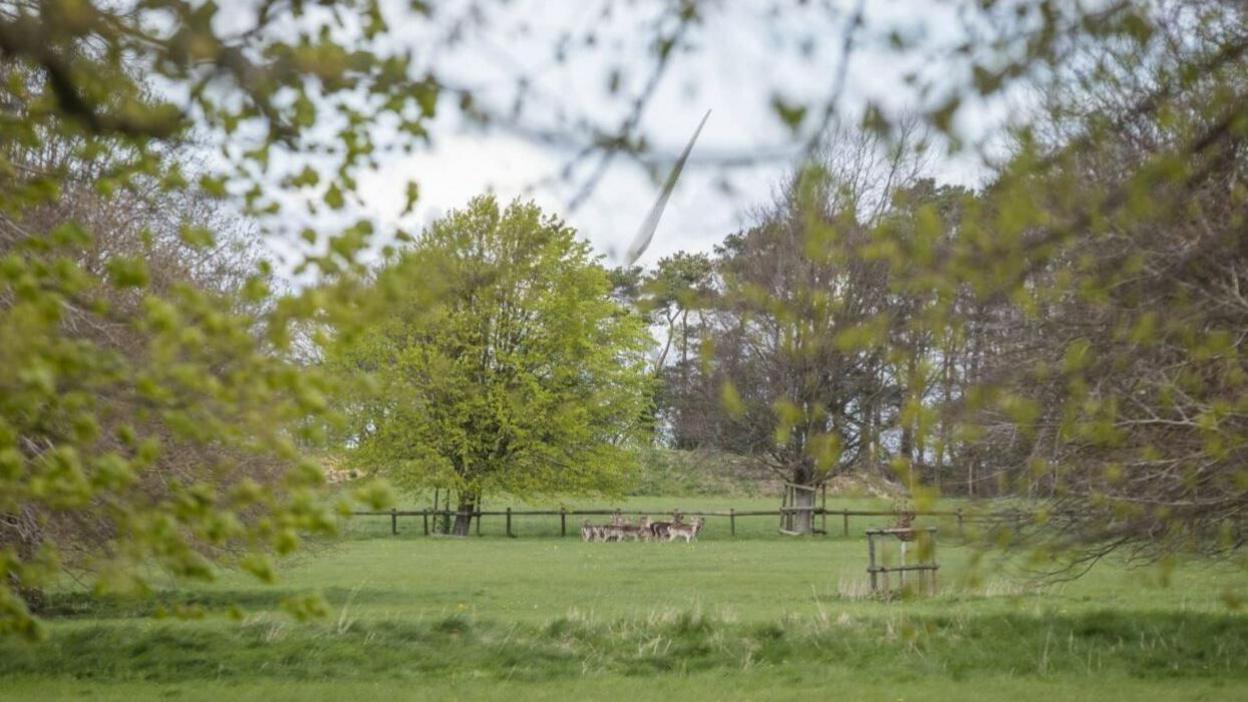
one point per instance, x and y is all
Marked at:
(644, 533)
(608, 532)
(636, 531)
(663, 530)
(688, 532)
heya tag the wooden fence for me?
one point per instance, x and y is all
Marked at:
(426, 515)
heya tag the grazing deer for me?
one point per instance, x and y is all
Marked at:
(663, 530)
(688, 532)
(638, 531)
(644, 533)
(618, 529)
(645, 530)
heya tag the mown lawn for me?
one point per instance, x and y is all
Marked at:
(539, 617)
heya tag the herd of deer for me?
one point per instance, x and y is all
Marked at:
(646, 530)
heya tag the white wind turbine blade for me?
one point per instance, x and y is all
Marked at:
(648, 226)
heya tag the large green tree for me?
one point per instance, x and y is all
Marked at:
(504, 367)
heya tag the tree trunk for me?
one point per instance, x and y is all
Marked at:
(942, 457)
(23, 531)
(463, 513)
(877, 448)
(906, 449)
(867, 463)
(803, 522)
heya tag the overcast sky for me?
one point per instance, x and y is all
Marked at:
(740, 57)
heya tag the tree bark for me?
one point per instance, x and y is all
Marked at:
(803, 474)
(804, 521)
(463, 513)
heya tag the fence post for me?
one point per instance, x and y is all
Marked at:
(563, 522)
(871, 560)
(823, 489)
(479, 515)
(732, 520)
(425, 514)
(509, 521)
(845, 525)
(394, 521)
(959, 521)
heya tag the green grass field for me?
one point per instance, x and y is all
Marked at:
(540, 617)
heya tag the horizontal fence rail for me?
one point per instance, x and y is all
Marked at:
(431, 516)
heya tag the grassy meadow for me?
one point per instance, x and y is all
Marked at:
(539, 617)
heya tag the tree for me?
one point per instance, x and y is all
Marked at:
(793, 309)
(519, 374)
(680, 286)
(920, 357)
(1120, 370)
(795, 322)
(144, 416)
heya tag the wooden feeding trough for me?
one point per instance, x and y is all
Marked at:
(924, 578)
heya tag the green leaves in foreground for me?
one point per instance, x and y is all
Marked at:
(141, 424)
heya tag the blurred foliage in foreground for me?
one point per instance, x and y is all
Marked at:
(1073, 333)
(149, 409)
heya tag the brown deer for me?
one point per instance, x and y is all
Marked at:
(660, 530)
(688, 532)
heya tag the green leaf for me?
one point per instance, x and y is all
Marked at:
(197, 237)
(334, 197)
(790, 114)
(128, 272)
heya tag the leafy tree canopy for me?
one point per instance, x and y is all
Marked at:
(502, 365)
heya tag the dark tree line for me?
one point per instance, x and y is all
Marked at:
(798, 344)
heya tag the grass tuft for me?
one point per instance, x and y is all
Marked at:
(1139, 645)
